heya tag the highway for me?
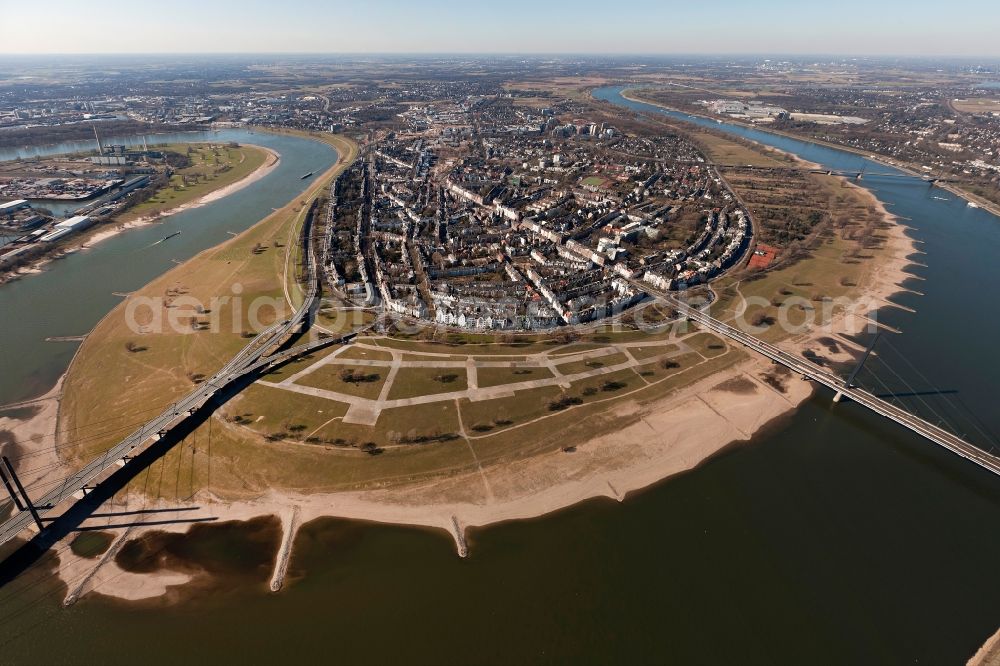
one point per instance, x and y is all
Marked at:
(814, 372)
(252, 358)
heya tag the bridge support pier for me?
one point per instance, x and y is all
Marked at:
(838, 397)
(83, 492)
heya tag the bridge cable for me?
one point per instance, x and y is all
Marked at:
(989, 443)
(163, 471)
(70, 444)
(885, 386)
(64, 548)
(93, 424)
(59, 463)
(145, 485)
(893, 398)
(910, 388)
(194, 458)
(209, 481)
(67, 445)
(38, 484)
(180, 463)
(942, 421)
(991, 438)
(953, 427)
(131, 424)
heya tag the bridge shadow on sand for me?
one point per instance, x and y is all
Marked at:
(30, 552)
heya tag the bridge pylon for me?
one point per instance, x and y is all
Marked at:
(24, 494)
(10, 489)
(849, 382)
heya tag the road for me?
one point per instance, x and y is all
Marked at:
(814, 372)
(254, 357)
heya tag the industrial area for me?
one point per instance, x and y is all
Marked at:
(56, 198)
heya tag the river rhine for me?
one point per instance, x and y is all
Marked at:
(836, 537)
(73, 293)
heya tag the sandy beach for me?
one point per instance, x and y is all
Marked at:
(28, 435)
(988, 654)
(669, 437)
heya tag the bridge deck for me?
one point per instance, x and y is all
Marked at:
(251, 358)
(812, 371)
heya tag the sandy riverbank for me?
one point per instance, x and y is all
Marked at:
(988, 654)
(28, 435)
(668, 437)
(269, 165)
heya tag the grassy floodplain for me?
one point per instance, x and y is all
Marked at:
(213, 167)
(130, 376)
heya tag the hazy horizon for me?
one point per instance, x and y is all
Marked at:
(965, 28)
(767, 55)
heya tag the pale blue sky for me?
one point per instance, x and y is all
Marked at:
(872, 27)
